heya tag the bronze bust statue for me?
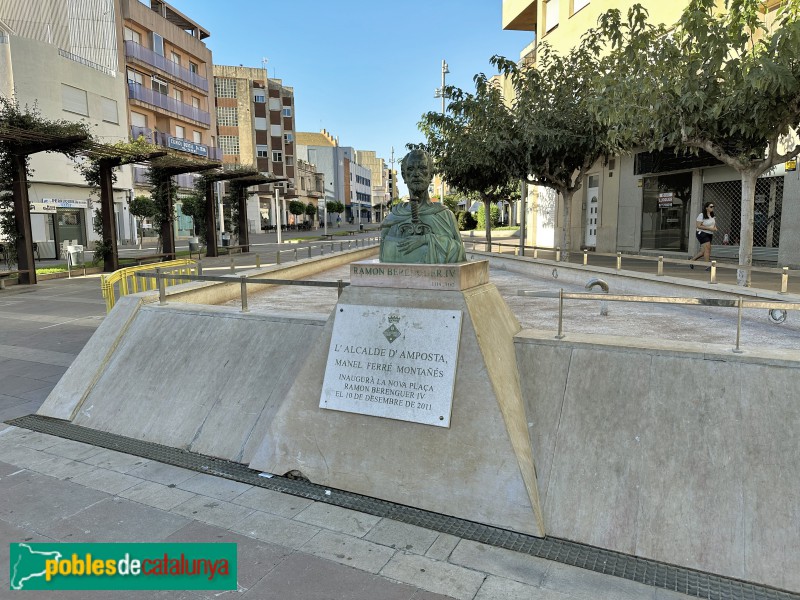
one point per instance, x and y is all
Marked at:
(420, 231)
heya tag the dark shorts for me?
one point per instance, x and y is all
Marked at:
(704, 237)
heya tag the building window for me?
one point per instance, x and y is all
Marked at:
(132, 36)
(74, 100)
(109, 108)
(176, 58)
(227, 116)
(180, 132)
(160, 86)
(158, 44)
(286, 112)
(261, 123)
(195, 102)
(259, 97)
(277, 156)
(578, 4)
(194, 68)
(178, 95)
(197, 137)
(290, 161)
(229, 144)
(262, 151)
(224, 88)
(550, 14)
(138, 119)
(135, 77)
(288, 138)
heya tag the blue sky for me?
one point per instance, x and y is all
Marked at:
(364, 70)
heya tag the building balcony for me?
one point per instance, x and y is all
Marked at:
(184, 180)
(528, 55)
(137, 52)
(519, 15)
(167, 141)
(153, 98)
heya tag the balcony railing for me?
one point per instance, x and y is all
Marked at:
(168, 141)
(147, 56)
(185, 180)
(149, 96)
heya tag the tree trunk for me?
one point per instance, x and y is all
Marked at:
(566, 198)
(746, 231)
(487, 205)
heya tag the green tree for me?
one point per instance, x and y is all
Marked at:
(494, 211)
(194, 206)
(142, 207)
(297, 208)
(334, 206)
(719, 81)
(474, 143)
(556, 127)
(451, 202)
(311, 211)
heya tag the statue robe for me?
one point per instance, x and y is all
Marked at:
(442, 241)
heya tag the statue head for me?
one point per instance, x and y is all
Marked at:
(417, 171)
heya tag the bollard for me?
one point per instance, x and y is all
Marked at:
(516, 251)
(558, 253)
(200, 267)
(278, 258)
(258, 261)
(619, 261)
(785, 280)
(738, 328)
(713, 272)
(309, 250)
(341, 246)
(233, 266)
(660, 266)
(244, 294)
(162, 292)
(535, 253)
(586, 257)
(295, 255)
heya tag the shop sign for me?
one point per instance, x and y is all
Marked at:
(665, 199)
(64, 203)
(43, 208)
(187, 146)
(791, 165)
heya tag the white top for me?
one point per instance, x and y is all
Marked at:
(709, 222)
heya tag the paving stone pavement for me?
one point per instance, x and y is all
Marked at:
(288, 547)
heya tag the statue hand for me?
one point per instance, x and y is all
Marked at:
(412, 243)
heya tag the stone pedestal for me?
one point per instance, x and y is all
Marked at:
(480, 468)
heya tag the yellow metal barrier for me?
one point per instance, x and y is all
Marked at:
(126, 282)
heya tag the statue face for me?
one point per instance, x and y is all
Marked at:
(416, 174)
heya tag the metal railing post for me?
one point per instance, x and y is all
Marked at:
(244, 293)
(535, 253)
(713, 272)
(341, 246)
(660, 271)
(738, 328)
(785, 280)
(309, 250)
(558, 253)
(233, 266)
(200, 267)
(339, 287)
(619, 261)
(560, 314)
(295, 255)
(585, 257)
(162, 291)
(278, 257)
(258, 261)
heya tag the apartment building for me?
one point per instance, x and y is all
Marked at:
(647, 202)
(380, 181)
(344, 179)
(65, 64)
(255, 117)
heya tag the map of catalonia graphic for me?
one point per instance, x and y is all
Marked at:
(29, 564)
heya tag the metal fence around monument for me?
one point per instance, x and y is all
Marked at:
(658, 262)
(777, 311)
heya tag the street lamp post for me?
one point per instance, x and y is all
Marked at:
(325, 207)
(441, 93)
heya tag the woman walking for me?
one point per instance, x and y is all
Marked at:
(706, 226)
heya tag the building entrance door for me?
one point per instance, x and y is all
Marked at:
(665, 212)
(69, 225)
(592, 205)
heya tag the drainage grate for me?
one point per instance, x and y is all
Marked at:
(649, 572)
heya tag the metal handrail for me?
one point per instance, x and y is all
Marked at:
(660, 260)
(740, 303)
(127, 282)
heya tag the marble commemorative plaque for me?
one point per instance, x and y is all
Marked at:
(396, 363)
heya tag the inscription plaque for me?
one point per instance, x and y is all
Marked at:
(396, 363)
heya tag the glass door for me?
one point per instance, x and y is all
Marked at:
(665, 212)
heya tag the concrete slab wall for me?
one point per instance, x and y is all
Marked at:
(684, 456)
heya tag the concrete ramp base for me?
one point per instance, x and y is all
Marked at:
(682, 455)
(201, 378)
(480, 469)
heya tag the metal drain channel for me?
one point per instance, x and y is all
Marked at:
(649, 572)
